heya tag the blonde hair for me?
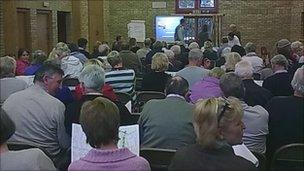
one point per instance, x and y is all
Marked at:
(114, 58)
(232, 59)
(216, 72)
(160, 62)
(94, 62)
(61, 50)
(207, 119)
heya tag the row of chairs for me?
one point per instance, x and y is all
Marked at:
(141, 97)
(288, 157)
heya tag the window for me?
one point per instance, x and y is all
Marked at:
(196, 6)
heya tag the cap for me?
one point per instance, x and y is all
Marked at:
(283, 43)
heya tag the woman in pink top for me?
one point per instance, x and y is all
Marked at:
(208, 86)
(99, 120)
(22, 61)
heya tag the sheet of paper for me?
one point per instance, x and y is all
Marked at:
(171, 73)
(243, 151)
(129, 106)
(128, 137)
(137, 29)
(259, 82)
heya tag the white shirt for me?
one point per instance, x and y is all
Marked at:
(256, 62)
(234, 41)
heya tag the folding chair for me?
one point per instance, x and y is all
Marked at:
(288, 157)
(15, 146)
(144, 96)
(70, 82)
(88, 97)
(159, 159)
(124, 98)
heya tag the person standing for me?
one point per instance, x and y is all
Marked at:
(180, 31)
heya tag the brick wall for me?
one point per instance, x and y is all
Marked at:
(260, 21)
(1, 30)
(263, 22)
(118, 13)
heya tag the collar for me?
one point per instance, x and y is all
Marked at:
(251, 54)
(176, 95)
(106, 156)
(80, 48)
(280, 71)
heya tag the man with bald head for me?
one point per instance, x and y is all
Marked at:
(167, 123)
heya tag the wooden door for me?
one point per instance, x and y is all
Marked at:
(63, 26)
(95, 23)
(23, 25)
(44, 30)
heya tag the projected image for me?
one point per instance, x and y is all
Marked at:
(186, 4)
(165, 27)
(207, 3)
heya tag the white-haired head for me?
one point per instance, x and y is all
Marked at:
(297, 82)
(244, 69)
(176, 49)
(193, 45)
(93, 77)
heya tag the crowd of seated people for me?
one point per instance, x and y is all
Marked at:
(229, 90)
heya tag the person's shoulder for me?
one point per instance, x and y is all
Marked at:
(260, 110)
(140, 163)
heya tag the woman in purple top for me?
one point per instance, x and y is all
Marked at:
(99, 120)
(207, 87)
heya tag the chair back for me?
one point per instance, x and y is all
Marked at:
(124, 98)
(15, 146)
(288, 157)
(70, 82)
(159, 159)
(88, 97)
(144, 96)
(262, 160)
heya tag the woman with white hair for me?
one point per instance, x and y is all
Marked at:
(218, 126)
(175, 64)
(286, 116)
(231, 59)
(279, 83)
(8, 82)
(254, 94)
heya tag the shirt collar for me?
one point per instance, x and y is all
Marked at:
(176, 95)
(280, 71)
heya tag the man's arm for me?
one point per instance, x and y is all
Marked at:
(64, 139)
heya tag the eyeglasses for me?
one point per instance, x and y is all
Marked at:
(226, 106)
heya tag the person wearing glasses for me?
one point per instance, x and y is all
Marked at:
(255, 117)
(39, 117)
(218, 126)
(23, 61)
